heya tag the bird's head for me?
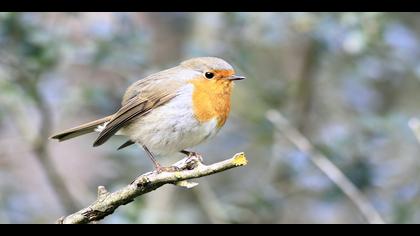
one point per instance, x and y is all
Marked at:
(212, 70)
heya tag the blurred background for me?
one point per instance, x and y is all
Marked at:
(349, 83)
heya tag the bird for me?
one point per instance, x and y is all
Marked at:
(169, 111)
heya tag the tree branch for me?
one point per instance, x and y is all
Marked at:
(29, 83)
(190, 168)
(326, 166)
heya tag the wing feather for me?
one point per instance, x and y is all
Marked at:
(136, 107)
(142, 97)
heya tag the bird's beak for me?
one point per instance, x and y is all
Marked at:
(235, 77)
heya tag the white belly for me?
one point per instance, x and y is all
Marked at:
(172, 127)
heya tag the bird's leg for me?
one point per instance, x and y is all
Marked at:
(159, 168)
(191, 154)
(151, 156)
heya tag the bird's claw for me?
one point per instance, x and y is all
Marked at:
(197, 155)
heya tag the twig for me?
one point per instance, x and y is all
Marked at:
(326, 166)
(190, 168)
(39, 144)
(28, 76)
(414, 125)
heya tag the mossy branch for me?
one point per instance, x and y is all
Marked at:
(190, 168)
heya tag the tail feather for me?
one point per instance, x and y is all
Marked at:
(81, 129)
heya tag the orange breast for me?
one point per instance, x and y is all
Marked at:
(211, 99)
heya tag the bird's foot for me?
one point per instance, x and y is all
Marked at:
(191, 155)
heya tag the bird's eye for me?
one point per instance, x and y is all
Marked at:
(209, 75)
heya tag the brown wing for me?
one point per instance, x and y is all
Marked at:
(142, 97)
(134, 108)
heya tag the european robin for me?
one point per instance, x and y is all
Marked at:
(169, 111)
